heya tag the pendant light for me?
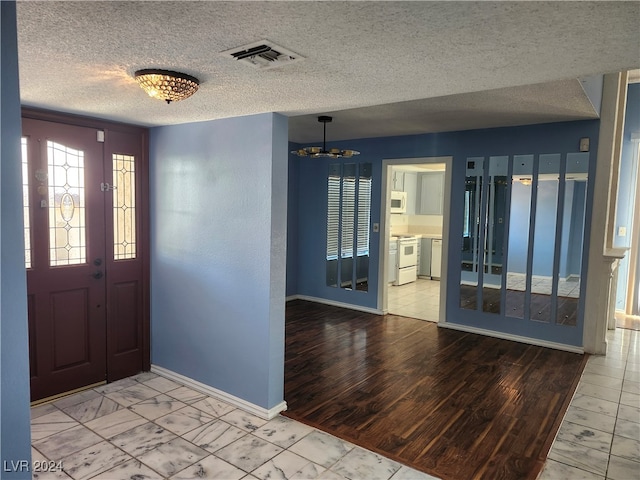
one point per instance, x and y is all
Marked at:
(317, 152)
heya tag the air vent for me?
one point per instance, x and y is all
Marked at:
(263, 55)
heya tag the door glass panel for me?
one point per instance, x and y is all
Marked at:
(124, 207)
(471, 233)
(26, 204)
(67, 228)
(544, 237)
(573, 220)
(519, 218)
(494, 234)
(347, 224)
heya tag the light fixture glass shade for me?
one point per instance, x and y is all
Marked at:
(167, 85)
(319, 152)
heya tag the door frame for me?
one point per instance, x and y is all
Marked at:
(143, 168)
(385, 227)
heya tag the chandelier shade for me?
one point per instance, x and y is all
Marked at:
(167, 85)
(318, 152)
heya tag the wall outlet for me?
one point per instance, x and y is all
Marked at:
(622, 231)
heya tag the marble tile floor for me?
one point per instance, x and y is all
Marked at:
(419, 299)
(599, 437)
(149, 427)
(566, 287)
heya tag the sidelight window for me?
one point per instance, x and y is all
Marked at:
(124, 207)
(26, 203)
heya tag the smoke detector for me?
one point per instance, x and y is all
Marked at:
(263, 55)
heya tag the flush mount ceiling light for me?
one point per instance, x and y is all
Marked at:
(317, 152)
(167, 85)
(525, 181)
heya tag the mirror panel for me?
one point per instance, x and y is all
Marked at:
(333, 223)
(363, 227)
(574, 210)
(471, 233)
(544, 244)
(518, 240)
(347, 224)
(494, 234)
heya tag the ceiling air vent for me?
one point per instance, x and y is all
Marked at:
(263, 55)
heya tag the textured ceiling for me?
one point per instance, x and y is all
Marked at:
(380, 68)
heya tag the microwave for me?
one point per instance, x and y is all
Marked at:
(398, 202)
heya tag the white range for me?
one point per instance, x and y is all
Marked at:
(407, 270)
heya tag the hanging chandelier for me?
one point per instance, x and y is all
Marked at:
(317, 152)
(167, 85)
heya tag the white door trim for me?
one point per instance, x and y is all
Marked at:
(385, 222)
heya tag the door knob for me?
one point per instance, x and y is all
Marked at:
(97, 275)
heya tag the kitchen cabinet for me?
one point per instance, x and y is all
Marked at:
(436, 257)
(424, 265)
(397, 180)
(410, 183)
(430, 193)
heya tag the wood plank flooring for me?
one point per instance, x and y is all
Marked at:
(452, 404)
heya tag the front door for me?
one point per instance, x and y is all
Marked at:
(85, 276)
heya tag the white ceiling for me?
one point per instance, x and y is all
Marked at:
(380, 68)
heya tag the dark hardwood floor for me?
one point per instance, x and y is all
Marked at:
(452, 404)
(567, 313)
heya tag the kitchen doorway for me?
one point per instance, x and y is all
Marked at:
(415, 221)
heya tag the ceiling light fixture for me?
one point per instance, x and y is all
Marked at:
(167, 85)
(525, 181)
(317, 152)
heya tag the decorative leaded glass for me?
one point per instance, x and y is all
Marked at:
(124, 207)
(25, 205)
(67, 224)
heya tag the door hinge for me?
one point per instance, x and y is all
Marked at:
(105, 187)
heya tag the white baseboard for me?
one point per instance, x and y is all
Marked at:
(324, 301)
(514, 338)
(266, 414)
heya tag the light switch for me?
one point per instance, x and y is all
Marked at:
(622, 231)
(584, 144)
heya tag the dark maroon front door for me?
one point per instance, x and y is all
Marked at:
(85, 273)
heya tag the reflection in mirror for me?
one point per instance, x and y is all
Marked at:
(333, 222)
(518, 247)
(494, 234)
(471, 233)
(348, 222)
(546, 206)
(574, 205)
(363, 224)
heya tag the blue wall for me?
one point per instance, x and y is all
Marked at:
(15, 438)
(311, 190)
(218, 253)
(626, 186)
